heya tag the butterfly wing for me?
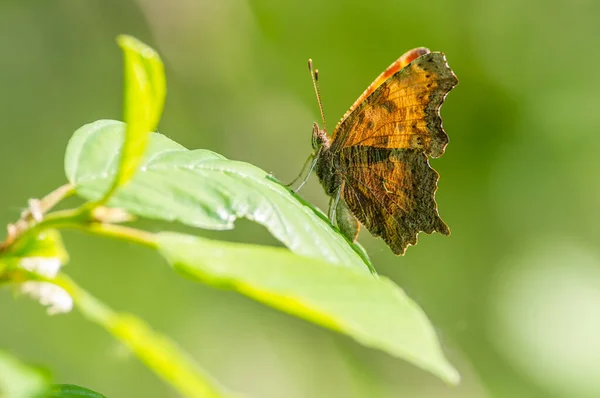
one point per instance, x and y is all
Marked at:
(382, 146)
(403, 111)
(400, 63)
(391, 191)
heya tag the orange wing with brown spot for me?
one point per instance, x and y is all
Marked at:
(400, 63)
(402, 111)
(382, 145)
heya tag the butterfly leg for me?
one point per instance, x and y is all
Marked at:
(312, 160)
(310, 170)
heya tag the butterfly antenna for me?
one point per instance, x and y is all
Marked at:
(314, 74)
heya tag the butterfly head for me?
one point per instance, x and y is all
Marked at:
(320, 139)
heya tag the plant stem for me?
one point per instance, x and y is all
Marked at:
(56, 196)
(120, 232)
(80, 219)
(37, 208)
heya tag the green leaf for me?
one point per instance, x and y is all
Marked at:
(144, 98)
(20, 381)
(71, 391)
(202, 189)
(374, 311)
(46, 244)
(158, 352)
(43, 253)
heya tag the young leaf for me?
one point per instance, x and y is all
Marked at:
(144, 97)
(202, 189)
(47, 244)
(42, 255)
(20, 381)
(373, 311)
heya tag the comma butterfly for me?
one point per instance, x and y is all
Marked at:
(375, 166)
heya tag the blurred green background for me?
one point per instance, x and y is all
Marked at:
(514, 292)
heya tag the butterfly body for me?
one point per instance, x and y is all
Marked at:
(375, 167)
(327, 166)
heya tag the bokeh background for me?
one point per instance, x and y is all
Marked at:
(514, 292)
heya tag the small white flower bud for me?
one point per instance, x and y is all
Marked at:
(54, 297)
(44, 266)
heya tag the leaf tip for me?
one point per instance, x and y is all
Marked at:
(130, 43)
(449, 374)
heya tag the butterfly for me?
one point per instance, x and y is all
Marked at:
(375, 166)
